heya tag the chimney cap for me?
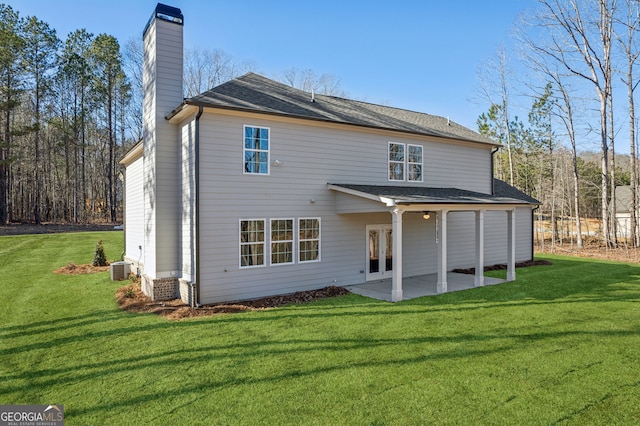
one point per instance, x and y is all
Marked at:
(166, 13)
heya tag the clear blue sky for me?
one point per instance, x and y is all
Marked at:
(421, 55)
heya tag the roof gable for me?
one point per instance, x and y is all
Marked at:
(252, 92)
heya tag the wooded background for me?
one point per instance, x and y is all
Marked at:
(70, 108)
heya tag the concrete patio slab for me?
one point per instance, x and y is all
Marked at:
(418, 286)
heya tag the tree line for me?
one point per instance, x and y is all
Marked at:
(69, 109)
(63, 110)
(581, 86)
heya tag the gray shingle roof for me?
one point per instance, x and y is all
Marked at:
(504, 194)
(624, 199)
(503, 189)
(256, 93)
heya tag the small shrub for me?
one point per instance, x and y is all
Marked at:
(129, 293)
(100, 259)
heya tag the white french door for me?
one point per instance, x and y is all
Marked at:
(379, 252)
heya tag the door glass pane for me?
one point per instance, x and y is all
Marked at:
(389, 247)
(374, 251)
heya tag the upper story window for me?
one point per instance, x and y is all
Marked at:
(414, 163)
(396, 161)
(405, 162)
(256, 150)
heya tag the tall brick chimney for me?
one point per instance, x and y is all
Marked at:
(162, 91)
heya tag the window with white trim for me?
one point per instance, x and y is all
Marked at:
(414, 163)
(309, 239)
(405, 162)
(396, 161)
(252, 243)
(281, 241)
(256, 150)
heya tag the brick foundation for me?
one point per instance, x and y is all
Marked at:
(161, 288)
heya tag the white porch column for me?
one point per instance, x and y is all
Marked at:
(396, 276)
(441, 223)
(479, 278)
(511, 246)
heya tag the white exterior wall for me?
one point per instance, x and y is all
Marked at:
(187, 200)
(310, 157)
(461, 233)
(623, 222)
(134, 213)
(162, 81)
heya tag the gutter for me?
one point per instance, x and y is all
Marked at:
(493, 152)
(196, 170)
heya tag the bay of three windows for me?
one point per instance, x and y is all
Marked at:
(253, 242)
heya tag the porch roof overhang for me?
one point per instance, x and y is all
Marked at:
(418, 198)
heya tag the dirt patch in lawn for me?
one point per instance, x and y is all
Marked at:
(593, 249)
(132, 299)
(73, 269)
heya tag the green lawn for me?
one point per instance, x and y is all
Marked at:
(559, 345)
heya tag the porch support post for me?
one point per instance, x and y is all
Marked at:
(479, 278)
(441, 223)
(511, 246)
(396, 277)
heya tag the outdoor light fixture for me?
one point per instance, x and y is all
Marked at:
(426, 215)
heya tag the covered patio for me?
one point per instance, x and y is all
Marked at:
(418, 286)
(398, 200)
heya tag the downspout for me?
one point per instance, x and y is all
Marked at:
(533, 231)
(196, 169)
(493, 151)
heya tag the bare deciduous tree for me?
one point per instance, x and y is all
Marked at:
(307, 80)
(495, 87)
(627, 38)
(579, 38)
(205, 69)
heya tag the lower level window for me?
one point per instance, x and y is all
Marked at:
(252, 243)
(309, 240)
(278, 242)
(281, 241)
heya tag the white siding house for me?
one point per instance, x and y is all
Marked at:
(624, 208)
(134, 206)
(255, 188)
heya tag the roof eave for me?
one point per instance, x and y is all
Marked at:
(171, 117)
(388, 201)
(182, 111)
(414, 204)
(132, 154)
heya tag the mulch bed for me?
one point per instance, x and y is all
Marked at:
(73, 269)
(132, 299)
(503, 266)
